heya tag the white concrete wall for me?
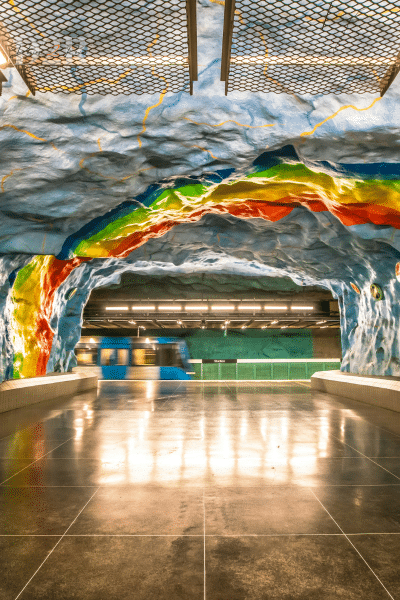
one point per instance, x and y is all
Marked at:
(384, 393)
(18, 393)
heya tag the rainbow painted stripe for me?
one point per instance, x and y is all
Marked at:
(270, 192)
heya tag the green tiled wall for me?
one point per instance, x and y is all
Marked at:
(253, 371)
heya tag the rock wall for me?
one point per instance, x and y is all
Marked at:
(261, 184)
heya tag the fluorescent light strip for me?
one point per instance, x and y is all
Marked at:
(270, 307)
(249, 307)
(223, 307)
(144, 307)
(170, 307)
(116, 307)
(197, 307)
(302, 308)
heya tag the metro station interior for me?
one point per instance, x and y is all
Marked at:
(199, 292)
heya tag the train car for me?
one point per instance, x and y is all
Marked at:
(134, 358)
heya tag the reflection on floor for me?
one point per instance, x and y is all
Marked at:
(194, 490)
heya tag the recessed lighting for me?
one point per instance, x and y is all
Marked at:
(272, 307)
(117, 307)
(196, 307)
(170, 307)
(143, 307)
(249, 307)
(302, 308)
(223, 307)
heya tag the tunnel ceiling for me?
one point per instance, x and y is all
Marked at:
(241, 303)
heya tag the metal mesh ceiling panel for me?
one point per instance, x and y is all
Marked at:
(101, 47)
(311, 46)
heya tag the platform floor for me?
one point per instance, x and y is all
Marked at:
(198, 490)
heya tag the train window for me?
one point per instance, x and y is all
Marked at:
(170, 356)
(122, 356)
(114, 356)
(86, 356)
(143, 356)
(107, 356)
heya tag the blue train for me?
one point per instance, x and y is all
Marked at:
(134, 358)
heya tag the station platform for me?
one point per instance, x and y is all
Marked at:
(200, 490)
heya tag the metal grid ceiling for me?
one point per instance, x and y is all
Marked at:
(101, 46)
(311, 46)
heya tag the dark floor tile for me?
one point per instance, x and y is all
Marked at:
(20, 557)
(9, 467)
(23, 446)
(115, 568)
(40, 510)
(150, 510)
(267, 510)
(305, 471)
(287, 568)
(367, 509)
(107, 471)
(390, 464)
(382, 552)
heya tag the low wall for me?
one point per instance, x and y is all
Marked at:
(381, 392)
(276, 369)
(18, 393)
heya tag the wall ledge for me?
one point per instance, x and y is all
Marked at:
(19, 393)
(379, 391)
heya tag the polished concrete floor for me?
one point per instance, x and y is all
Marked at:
(200, 490)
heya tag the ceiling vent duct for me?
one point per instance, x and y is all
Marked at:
(310, 46)
(102, 46)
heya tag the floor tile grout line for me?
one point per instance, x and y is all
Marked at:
(55, 546)
(351, 543)
(195, 535)
(35, 461)
(367, 457)
(204, 542)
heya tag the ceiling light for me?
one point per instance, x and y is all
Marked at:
(203, 326)
(147, 341)
(274, 322)
(223, 307)
(197, 307)
(301, 308)
(284, 327)
(243, 327)
(179, 322)
(324, 326)
(170, 307)
(144, 307)
(249, 307)
(132, 322)
(264, 326)
(272, 307)
(227, 322)
(320, 322)
(116, 307)
(92, 341)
